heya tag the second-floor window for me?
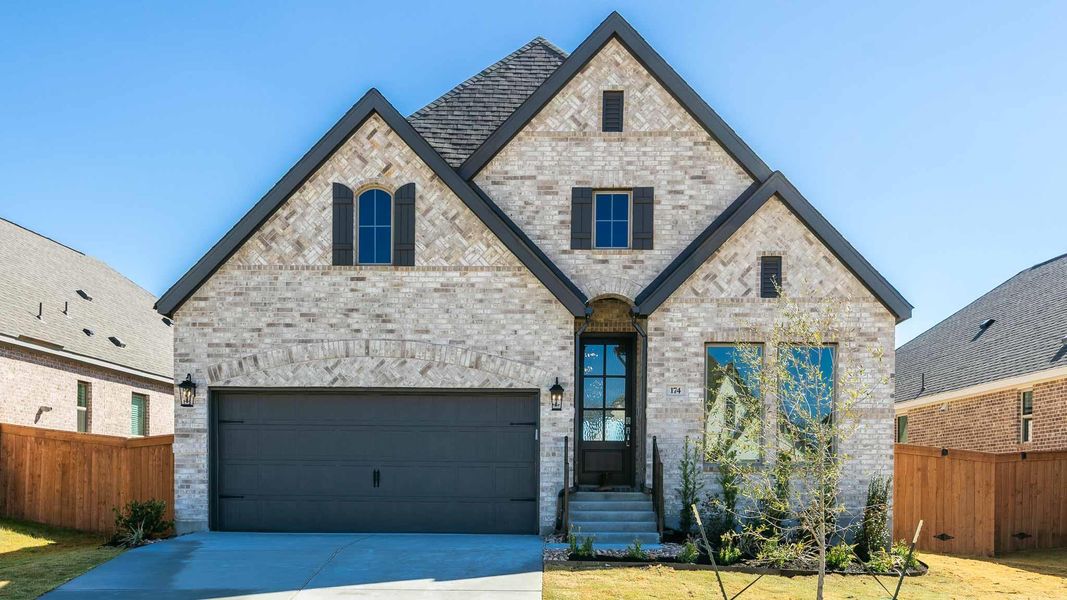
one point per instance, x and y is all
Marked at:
(611, 220)
(374, 232)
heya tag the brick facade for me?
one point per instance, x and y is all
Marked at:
(991, 422)
(34, 380)
(470, 315)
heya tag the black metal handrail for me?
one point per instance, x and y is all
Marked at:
(657, 485)
(566, 484)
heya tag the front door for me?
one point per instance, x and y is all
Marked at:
(605, 413)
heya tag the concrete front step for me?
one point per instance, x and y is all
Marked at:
(623, 538)
(610, 496)
(628, 505)
(613, 515)
(609, 526)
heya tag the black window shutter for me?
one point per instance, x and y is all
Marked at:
(344, 225)
(770, 276)
(612, 111)
(404, 226)
(644, 201)
(581, 218)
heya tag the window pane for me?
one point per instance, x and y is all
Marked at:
(593, 362)
(603, 234)
(83, 394)
(366, 245)
(615, 357)
(593, 426)
(1027, 425)
(806, 394)
(83, 420)
(137, 415)
(381, 250)
(382, 212)
(619, 207)
(603, 207)
(902, 429)
(619, 234)
(615, 426)
(366, 208)
(615, 392)
(731, 386)
(593, 392)
(1028, 403)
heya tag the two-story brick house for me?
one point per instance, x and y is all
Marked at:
(378, 342)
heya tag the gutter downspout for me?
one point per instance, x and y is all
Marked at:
(644, 388)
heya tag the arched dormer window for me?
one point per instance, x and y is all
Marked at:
(374, 231)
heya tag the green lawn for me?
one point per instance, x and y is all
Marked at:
(35, 558)
(1038, 575)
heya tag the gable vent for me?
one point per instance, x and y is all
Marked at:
(84, 294)
(770, 276)
(612, 118)
(117, 341)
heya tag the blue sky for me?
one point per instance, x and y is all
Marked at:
(930, 134)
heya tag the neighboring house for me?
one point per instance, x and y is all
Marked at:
(81, 348)
(993, 376)
(377, 341)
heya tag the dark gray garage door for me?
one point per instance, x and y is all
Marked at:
(376, 461)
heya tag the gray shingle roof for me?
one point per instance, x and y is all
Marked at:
(459, 121)
(39, 270)
(1029, 313)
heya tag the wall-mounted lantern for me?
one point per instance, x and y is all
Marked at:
(556, 393)
(187, 390)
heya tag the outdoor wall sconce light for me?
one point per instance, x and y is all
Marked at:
(187, 390)
(556, 393)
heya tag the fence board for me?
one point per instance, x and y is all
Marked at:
(74, 479)
(988, 503)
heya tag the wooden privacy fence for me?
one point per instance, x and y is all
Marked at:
(74, 479)
(978, 503)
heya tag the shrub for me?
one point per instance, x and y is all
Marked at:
(873, 534)
(778, 554)
(692, 484)
(140, 521)
(572, 543)
(635, 552)
(585, 550)
(899, 551)
(690, 553)
(840, 556)
(729, 552)
(881, 562)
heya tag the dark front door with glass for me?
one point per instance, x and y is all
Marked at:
(605, 415)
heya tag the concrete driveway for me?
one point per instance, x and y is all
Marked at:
(313, 566)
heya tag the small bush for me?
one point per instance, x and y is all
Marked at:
(881, 562)
(840, 556)
(635, 552)
(900, 555)
(690, 553)
(572, 543)
(728, 553)
(140, 521)
(778, 554)
(873, 534)
(692, 484)
(585, 550)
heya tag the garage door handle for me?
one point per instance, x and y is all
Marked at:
(227, 496)
(230, 421)
(526, 423)
(523, 499)
(376, 478)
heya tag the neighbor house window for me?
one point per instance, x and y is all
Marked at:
(732, 403)
(84, 397)
(1027, 403)
(375, 230)
(805, 391)
(611, 220)
(902, 429)
(139, 414)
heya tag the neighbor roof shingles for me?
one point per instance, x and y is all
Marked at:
(1030, 322)
(38, 270)
(459, 121)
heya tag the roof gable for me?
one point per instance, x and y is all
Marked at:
(459, 121)
(740, 211)
(373, 103)
(616, 27)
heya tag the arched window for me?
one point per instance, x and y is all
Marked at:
(374, 232)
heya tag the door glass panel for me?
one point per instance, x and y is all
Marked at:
(615, 357)
(616, 392)
(614, 425)
(592, 426)
(593, 363)
(593, 392)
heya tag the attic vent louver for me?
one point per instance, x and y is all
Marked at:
(167, 322)
(87, 331)
(84, 294)
(985, 324)
(117, 341)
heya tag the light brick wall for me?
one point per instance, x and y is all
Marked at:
(992, 422)
(662, 146)
(30, 380)
(468, 315)
(720, 302)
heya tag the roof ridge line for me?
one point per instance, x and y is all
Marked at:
(539, 40)
(41, 235)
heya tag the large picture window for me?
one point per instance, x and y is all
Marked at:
(732, 406)
(375, 230)
(805, 391)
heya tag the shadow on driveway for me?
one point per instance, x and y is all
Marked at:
(314, 566)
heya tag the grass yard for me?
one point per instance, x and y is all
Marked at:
(1037, 574)
(35, 558)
